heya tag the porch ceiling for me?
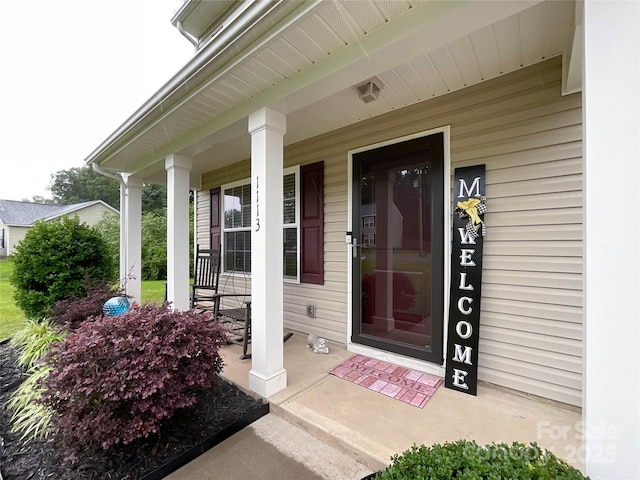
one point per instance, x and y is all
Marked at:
(307, 62)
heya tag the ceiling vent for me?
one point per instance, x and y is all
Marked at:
(369, 90)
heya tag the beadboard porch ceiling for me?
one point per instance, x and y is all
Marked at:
(306, 61)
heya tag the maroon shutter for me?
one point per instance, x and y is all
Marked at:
(312, 223)
(214, 231)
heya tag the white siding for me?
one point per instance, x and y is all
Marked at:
(529, 137)
(13, 236)
(92, 214)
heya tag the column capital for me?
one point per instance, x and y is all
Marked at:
(132, 182)
(177, 161)
(267, 118)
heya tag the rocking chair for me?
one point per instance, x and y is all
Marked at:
(233, 312)
(205, 279)
(205, 298)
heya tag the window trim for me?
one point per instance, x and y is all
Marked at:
(223, 229)
(296, 171)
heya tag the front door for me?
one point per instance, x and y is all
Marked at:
(398, 251)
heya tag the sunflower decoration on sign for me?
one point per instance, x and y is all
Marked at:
(473, 209)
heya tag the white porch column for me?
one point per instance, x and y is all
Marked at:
(267, 375)
(133, 238)
(178, 169)
(122, 268)
(611, 109)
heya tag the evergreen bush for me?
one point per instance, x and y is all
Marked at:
(467, 460)
(53, 262)
(114, 379)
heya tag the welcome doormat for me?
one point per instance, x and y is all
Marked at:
(404, 384)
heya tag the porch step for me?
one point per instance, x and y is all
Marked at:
(300, 445)
(364, 450)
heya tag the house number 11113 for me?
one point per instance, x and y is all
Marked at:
(257, 203)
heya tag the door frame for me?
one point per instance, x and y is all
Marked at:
(377, 353)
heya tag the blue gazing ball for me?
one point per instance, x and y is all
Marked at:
(115, 306)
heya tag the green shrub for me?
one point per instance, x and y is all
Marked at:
(54, 261)
(34, 341)
(153, 264)
(154, 246)
(468, 460)
(115, 379)
(109, 228)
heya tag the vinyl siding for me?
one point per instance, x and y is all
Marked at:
(13, 236)
(92, 214)
(203, 219)
(529, 138)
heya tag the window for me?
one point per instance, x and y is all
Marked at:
(1, 237)
(369, 221)
(290, 226)
(302, 223)
(237, 226)
(369, 239)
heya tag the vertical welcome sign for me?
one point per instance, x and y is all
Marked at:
(466, 279)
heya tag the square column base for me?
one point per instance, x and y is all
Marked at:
(267, 386)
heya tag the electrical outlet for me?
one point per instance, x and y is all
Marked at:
(311, 310)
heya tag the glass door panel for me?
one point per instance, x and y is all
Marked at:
(397, 305)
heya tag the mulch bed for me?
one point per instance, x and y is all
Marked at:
(219, 413)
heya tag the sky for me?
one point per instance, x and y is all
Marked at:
(71, 72)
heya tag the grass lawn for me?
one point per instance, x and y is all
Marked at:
(12, 319)
(153, 291)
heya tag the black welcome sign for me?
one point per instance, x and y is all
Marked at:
(466, 279)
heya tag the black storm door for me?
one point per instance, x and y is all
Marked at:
(398, 263)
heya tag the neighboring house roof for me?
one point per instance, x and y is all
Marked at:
(25, 214)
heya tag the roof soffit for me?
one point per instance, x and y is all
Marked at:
(191, 77)
(228, 93)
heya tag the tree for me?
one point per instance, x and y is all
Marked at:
(154, 198)
(83, 184)
(109, 228)
(154, 242)
(154, 246)
(38, 199)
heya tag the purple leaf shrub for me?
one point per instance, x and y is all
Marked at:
(72, 311)
(115, 379)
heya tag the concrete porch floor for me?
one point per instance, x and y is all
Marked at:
(369, 427)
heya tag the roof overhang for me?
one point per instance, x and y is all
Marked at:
(201, 20)
(297, 58)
